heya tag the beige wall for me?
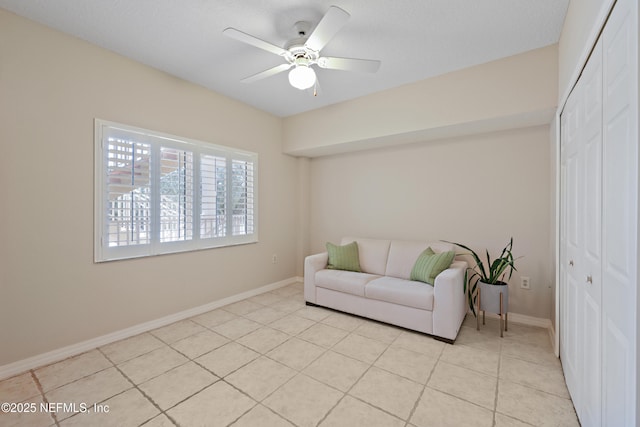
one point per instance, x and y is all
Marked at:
(304, 199)
(478, 190)
(455, 124)
(513, 92)
(52, 294)
(52, 86)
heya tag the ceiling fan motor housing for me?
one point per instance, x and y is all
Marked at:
(298, 51)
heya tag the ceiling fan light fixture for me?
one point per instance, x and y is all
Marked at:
(302, 77)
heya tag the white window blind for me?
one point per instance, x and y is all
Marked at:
(158, 193)
(176, 195)
(213, 175)
(242, 197)
(128, 188)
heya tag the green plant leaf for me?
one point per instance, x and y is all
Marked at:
(497, 269)
(479, 265)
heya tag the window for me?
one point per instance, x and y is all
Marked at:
(158, 194)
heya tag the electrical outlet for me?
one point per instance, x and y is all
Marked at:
(525, 283)
(274, 259)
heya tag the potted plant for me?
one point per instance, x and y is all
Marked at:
(490, 278)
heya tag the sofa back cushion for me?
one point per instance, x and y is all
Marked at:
(403, 255)
(373, 254)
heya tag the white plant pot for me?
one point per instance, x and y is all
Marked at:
(494, 299)
(490, 297)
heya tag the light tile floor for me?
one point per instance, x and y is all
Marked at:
(272, 361)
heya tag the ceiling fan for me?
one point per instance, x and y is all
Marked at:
(304, 51)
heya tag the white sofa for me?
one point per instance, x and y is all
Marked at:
(383, 291)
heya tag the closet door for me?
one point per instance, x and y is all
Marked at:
(581, 163)
(599, 228)
(589, 274)
(620, 215)
(571, 243)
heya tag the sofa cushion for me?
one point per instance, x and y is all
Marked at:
(429, 264)
(403, 256)
(343, 257)
(344, 281)
(400, 291)
(373, 254)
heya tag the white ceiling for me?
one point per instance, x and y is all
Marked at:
(414, 39)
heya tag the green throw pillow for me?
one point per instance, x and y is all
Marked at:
(429, 264)
(343, 257)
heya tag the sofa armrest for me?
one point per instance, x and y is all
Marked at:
(313, 264)
(449, 301)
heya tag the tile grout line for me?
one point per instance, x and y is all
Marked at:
(301, 373)
(498, 387)
(135, 386)
(327, 349)
(222, 378)
(495, 398)
(43, 393)
(218, 378)
(44, 398)
(257, 402)
(295, 369)
(346, 393)
(456, 396)
(371, 365)
(349, 333)
(415, 405)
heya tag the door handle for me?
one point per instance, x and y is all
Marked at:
(571, 263)
(589, 279)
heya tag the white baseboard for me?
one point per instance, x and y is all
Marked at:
(552, 337)
(47, 358)
(524, 319)
(530, 321)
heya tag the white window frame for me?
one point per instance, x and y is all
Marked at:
(104, 252)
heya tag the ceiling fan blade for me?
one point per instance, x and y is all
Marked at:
(254, 41)
(349, 64)
(329, 25)
(267, 73)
